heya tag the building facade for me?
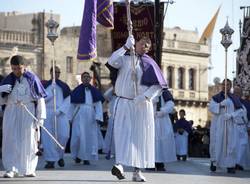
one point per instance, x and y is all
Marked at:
(185, 65)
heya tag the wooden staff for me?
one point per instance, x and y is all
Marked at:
(132, 49)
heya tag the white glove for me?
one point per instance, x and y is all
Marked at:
(139, 99)
(159, 114)
(5, 88)
(227, 116)
(58, 112)
(226, 102)
(130, 42)
(40, 122)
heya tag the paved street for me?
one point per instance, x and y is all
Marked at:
(194, 171)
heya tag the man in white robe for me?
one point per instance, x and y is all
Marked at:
(51, 152)
(165, 150)
(84, 108)
(223, 131)
(109, 143)
(20, 130)
(241, 120)
(133, 111)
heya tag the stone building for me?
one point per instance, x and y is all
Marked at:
(185, 64)
(27, 33)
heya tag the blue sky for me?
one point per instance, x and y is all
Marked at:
(187, 14)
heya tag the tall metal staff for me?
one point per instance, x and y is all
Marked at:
(226, 42)
(132, 49)
(52, 35)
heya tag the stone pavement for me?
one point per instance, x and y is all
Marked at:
(193, 171)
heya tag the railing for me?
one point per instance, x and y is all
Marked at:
(18, 37)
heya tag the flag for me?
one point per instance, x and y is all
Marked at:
(94, 11)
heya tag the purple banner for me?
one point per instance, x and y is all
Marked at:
(101, 10)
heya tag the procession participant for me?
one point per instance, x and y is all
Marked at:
(19, 128)
(134, 116)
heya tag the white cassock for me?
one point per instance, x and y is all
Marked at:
(84, 137)
(51, 151)
(165, 150)
(109, 142)
(19, 129)
(223, 144)
(240, 119)
(181, 142)
(133, 123)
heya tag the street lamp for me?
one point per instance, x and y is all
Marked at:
(226, 42)
(52, 35)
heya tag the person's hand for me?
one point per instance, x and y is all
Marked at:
(5, 88)
(130, 42)
(227, 116)
(139, 99)
(58, 112)
(40, 122)
(225, 102)
(159, 114)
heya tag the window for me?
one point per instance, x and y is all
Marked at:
(181, 72)
(170, 70)
(191, 85)
(69, 64)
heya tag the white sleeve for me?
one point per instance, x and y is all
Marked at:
(108, 94)
(115, 59)
(168, 107)
(152, 91)
(214, 107)
(41, 109)
(98, 111)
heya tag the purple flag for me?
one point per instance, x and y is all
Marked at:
(94, 10)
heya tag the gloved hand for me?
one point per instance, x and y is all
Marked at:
(159, 114)
(5, 88)
(40, 122)
(139, 99)
(225, 102)
(58, 112)
(130, 42)
(227, 116)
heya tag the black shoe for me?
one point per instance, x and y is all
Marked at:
(77, 160)
(239, 167)
(212, 167)
(150, 169)
(178, 157)
(184, 157)
(231, 170)
(61, 162)
(159, 166)
(117, 172)
(161, 169)
(49, 165)
(86, 162)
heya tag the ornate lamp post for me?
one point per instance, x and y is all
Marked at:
(52, 35)
(226, 42)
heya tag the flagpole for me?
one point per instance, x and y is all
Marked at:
(132, 49)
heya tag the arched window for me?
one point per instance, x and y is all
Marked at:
(191, 76)
(170, 70)
(181, 74)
